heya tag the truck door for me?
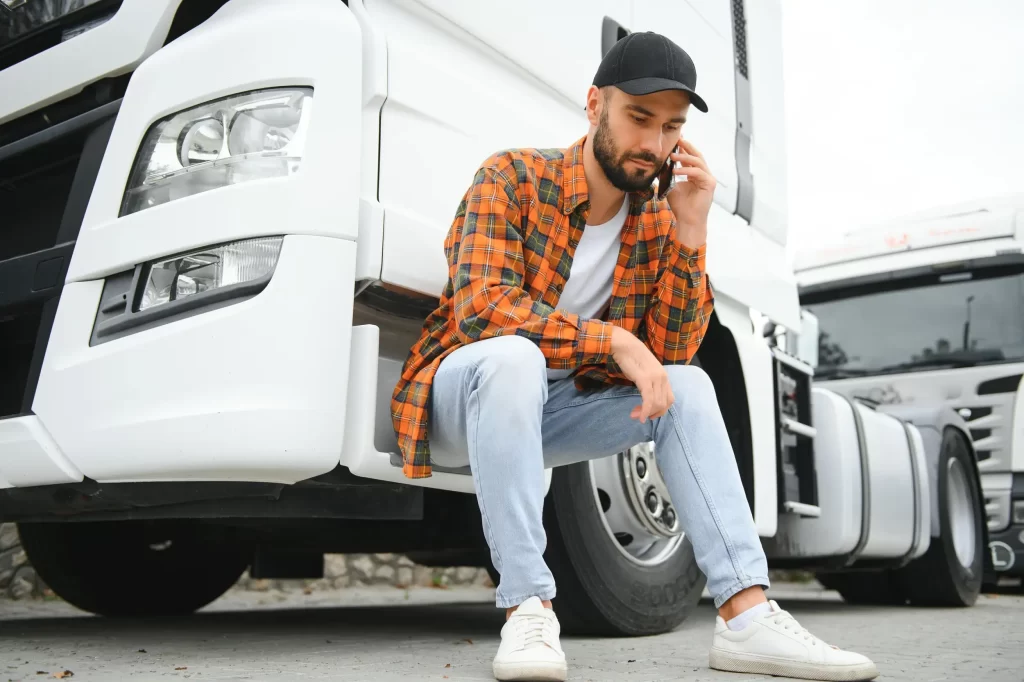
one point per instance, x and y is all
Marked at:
(463, 83)
(704, 29)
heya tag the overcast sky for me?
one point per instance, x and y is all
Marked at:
(897, 105)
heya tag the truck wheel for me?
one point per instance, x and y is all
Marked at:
(620, 562)
(951, 571)
(135, 568)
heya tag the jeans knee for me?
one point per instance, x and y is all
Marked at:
(691, 386)
(513, 361)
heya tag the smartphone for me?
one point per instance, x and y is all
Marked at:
(667, 176)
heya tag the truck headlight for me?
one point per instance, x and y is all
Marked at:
(214, 268)
(251, 136)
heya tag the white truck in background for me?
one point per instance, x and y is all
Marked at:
(222, 230)
(929, 308)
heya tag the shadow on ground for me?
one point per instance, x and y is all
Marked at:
(393, 621)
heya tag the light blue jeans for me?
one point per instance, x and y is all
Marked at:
(494, 409)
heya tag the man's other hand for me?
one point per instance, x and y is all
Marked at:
(641, 367)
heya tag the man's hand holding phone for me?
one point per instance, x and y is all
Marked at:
(690, 200)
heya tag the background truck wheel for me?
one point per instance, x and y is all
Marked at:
(879, 588)
(135, 568)
(620, 562)
(951, 571)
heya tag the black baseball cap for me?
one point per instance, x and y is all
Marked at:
(642, 63)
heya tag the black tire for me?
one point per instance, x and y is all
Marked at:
(136, 568)
(875, 588)
(600, 591)
(938, 578)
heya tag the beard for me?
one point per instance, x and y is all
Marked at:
(613, 163)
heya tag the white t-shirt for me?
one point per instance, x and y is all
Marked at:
(592, 274)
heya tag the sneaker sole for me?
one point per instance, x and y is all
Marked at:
(531, 671)
(730, 661)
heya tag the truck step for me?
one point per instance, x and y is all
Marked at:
(797, 437)
(396, 461)
(798, 428)
(806, 510)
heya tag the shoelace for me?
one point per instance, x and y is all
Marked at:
(534, 630)
(788, 622)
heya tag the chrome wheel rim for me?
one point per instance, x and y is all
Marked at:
(636, 509)
(961, 513)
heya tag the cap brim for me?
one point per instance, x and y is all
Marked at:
(646, 86)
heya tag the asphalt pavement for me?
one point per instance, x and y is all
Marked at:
(391, 635)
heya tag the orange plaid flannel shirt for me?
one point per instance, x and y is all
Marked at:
(509, 251)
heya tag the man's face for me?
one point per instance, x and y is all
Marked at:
(635, 134)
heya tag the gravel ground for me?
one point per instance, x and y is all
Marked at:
(387, 635)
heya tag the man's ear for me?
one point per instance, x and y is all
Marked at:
(595, 100)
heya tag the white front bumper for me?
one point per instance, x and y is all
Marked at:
(254, 391)
(29, 456)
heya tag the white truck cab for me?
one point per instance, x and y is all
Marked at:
(223, 229)
(929, 309)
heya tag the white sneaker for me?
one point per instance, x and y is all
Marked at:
(529, 647)
(775, 644)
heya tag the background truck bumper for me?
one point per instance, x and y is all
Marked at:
(1007, 551)
(253, 391)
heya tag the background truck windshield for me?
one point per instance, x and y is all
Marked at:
(933, 322)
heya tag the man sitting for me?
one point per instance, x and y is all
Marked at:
(551, 346)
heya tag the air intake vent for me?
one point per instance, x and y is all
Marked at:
(1006, 384)
(973, 413)
(739, 34)
(978, 434)
(989, 428)
(997, 510)
(744, 115)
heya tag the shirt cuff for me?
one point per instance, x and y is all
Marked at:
(595, 341)
(693, 255)
(688, 263)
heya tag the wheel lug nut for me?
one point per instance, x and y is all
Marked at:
(652, 501)
(641, 468)
(670, 517)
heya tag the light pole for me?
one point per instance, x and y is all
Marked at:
(967, 323)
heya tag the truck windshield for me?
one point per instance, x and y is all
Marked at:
(933, 322)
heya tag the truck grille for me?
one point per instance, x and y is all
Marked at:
(46, 179)
(18, 332)
(997, 510)
(31, 191)
(990, 421)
